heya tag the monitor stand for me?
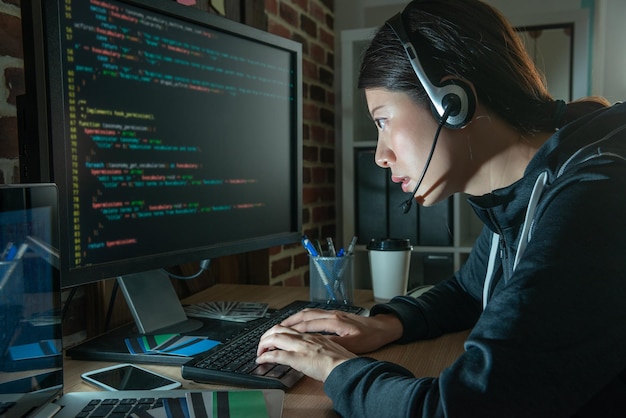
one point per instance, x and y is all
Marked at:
(157, 311)
(154, 304)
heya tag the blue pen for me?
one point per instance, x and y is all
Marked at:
(320, 267)
(309, 247)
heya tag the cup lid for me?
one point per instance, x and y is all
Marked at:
(389, 244)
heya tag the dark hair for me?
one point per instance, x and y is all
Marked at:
(471, 40)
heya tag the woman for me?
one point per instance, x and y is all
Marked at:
(544, 289)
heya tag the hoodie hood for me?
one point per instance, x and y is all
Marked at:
(596, 138)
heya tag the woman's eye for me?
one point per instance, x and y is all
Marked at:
(380, 123)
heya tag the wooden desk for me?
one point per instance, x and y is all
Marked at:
(306, 398)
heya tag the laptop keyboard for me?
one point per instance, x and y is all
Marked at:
(233, 362)
(118, 408)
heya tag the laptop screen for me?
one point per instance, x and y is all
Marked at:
(30, 313)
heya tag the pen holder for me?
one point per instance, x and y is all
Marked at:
(331, 279)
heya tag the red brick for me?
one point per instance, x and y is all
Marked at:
(303, 4)
(8, 137)
(279, 29)
(330, 59)
(306, 134)
(330, 22)
(330, 175)
(304, 41)
(317, 12)
(271, 7)
(312, 233)
(301, 260)
(331, 136)
(275, 250)
(330, 97)
(311, 112)
(325, 76)
(309, 195)
(318, 93)
(288, 13)
(327, 117)
(327, 38)
(327, 155)
(306, 175)
(309, 69)
(11, 36)
(326, 194)
(320, 214)
(318, 53)
(306, 216)
(281, 266)
(308, 25)
(310, 154)
(318, 134)
(319, 175)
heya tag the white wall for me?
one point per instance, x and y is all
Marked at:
(607, 31)
(609, 63)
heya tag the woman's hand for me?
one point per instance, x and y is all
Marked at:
(358, 334)
(297, 341)
(313, 354)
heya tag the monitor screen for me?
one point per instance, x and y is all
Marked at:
(173, 135)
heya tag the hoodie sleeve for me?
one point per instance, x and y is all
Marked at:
(452, 305)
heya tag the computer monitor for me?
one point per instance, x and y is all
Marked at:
(173, 136)
(31, 356)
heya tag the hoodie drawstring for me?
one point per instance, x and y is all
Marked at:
(525, 235)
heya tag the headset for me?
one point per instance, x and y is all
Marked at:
(453, 92)
(452, 102)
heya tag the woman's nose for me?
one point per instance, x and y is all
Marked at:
(384, 156)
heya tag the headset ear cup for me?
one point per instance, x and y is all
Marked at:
(455, 90)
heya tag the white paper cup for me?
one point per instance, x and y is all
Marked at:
(389, 259)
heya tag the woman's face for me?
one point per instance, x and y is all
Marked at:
(406, 131)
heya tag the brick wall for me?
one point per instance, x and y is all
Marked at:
(11, 85)
(310, 22)
(307, 21)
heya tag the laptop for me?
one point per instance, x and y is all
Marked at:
(31, 344)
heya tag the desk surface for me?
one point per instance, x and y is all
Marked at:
(306, 398)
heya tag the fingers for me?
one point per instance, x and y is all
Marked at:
(271, 341)
(317, 320)
(304, 316)
(313, 354)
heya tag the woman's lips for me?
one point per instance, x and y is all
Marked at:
(405, 183)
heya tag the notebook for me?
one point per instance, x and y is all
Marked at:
(31, 357)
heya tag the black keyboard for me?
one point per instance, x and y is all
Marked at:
(233, 362)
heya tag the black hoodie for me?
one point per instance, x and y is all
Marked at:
(548, 333)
